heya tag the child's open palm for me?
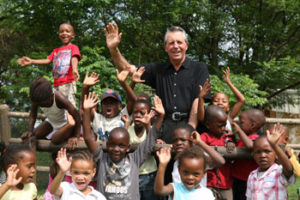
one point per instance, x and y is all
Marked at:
(63, 162)
(136, 76)
(90, 100)
(91, 80)
(226, 75)
(164, 155)
(275, 134)
(12, 179)
(122, 76)
(158, 106)
(205, 89)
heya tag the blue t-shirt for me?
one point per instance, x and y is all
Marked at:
(181, 193)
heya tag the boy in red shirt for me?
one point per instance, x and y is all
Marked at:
(65, 63)
(251, 121)
(219, 178)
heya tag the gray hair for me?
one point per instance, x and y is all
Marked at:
(174, 29)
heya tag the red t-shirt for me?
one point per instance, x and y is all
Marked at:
(242, 168)
(219, 177)
(62, 65)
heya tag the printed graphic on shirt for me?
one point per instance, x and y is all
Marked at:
(61, 63)
(103, 135)
(116, 181)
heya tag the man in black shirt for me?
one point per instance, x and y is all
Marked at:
(176, 82)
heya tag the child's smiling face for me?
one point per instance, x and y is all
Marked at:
(117, 145)
(82, 172)
(221, 100)
(263, 153)
(191, 171)
(66, 33)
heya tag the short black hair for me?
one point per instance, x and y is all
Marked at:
(40, 90)
(119, 130)
(256, 116)
(12, 154)
(185, 126)
(212, 112)
(192, 152)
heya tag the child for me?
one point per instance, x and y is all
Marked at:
(251, 121)
(270, 180)
(117, 169)
(289, 151)
(221, 100)
(54, 104)
(82, 169)
(219, 178)
(19, 163)
(65, 63)
(138, 133)
(191, 164)
(111, 109)
(184, 136)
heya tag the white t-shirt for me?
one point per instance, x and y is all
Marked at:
(71, 192)
(102, 125)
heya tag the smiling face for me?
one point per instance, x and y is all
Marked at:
(117, 145)
(82, 172)
(176, 46)
(221, 100)
(191, 171)
(110, 107)
(181, 140)
(139, 111)
(66, 33)
(27, 167)
(263, 153)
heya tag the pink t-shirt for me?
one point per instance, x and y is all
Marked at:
(62, 65)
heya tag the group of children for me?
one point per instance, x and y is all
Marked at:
(126, 169)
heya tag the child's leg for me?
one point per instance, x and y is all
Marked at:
(43, 130)
(62, 134)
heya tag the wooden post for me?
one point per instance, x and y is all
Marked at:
(5, 130)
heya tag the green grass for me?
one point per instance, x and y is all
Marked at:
(293, 190)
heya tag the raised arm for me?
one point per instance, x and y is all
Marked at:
(273, 137)
(203, 92)
(215, 159)
(159, 109)
(113, 39)
(164, 155)
(89, 102)
(24, 61)
(130, 95)
(64, 165)
(238, 95)
(11, 179)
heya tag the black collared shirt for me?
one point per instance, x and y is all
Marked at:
(177, 89)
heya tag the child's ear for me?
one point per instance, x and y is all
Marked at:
(128, 149)
(94, 171)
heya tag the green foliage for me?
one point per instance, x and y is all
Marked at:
(254, 96)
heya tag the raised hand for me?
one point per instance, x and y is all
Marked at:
(72, 143)
(275, 134)
(164, 155)
(126, 120)
(230, 147)
(146, 119)
(226, 75)
(122, 76)
(90, 100)
(90, 80)
(63, 162)
(195, 137)
(113, 37)
(205, 89)
(158, 106)
(24, 61)
(12, 179)
(136, 76)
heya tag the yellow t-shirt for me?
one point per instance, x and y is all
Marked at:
(149, 165)
(295, 164)
(29, 192)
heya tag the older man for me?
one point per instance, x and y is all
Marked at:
(176, 81)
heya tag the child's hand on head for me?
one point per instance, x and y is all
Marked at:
(275, 134)
(205, 89)
(164, 155)
(158, 106)
(195, 137)
(90, 101)
(90, 80)
(11, 173)
(136, 76)
(226, 75)
(122, 76)
(63, 162)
